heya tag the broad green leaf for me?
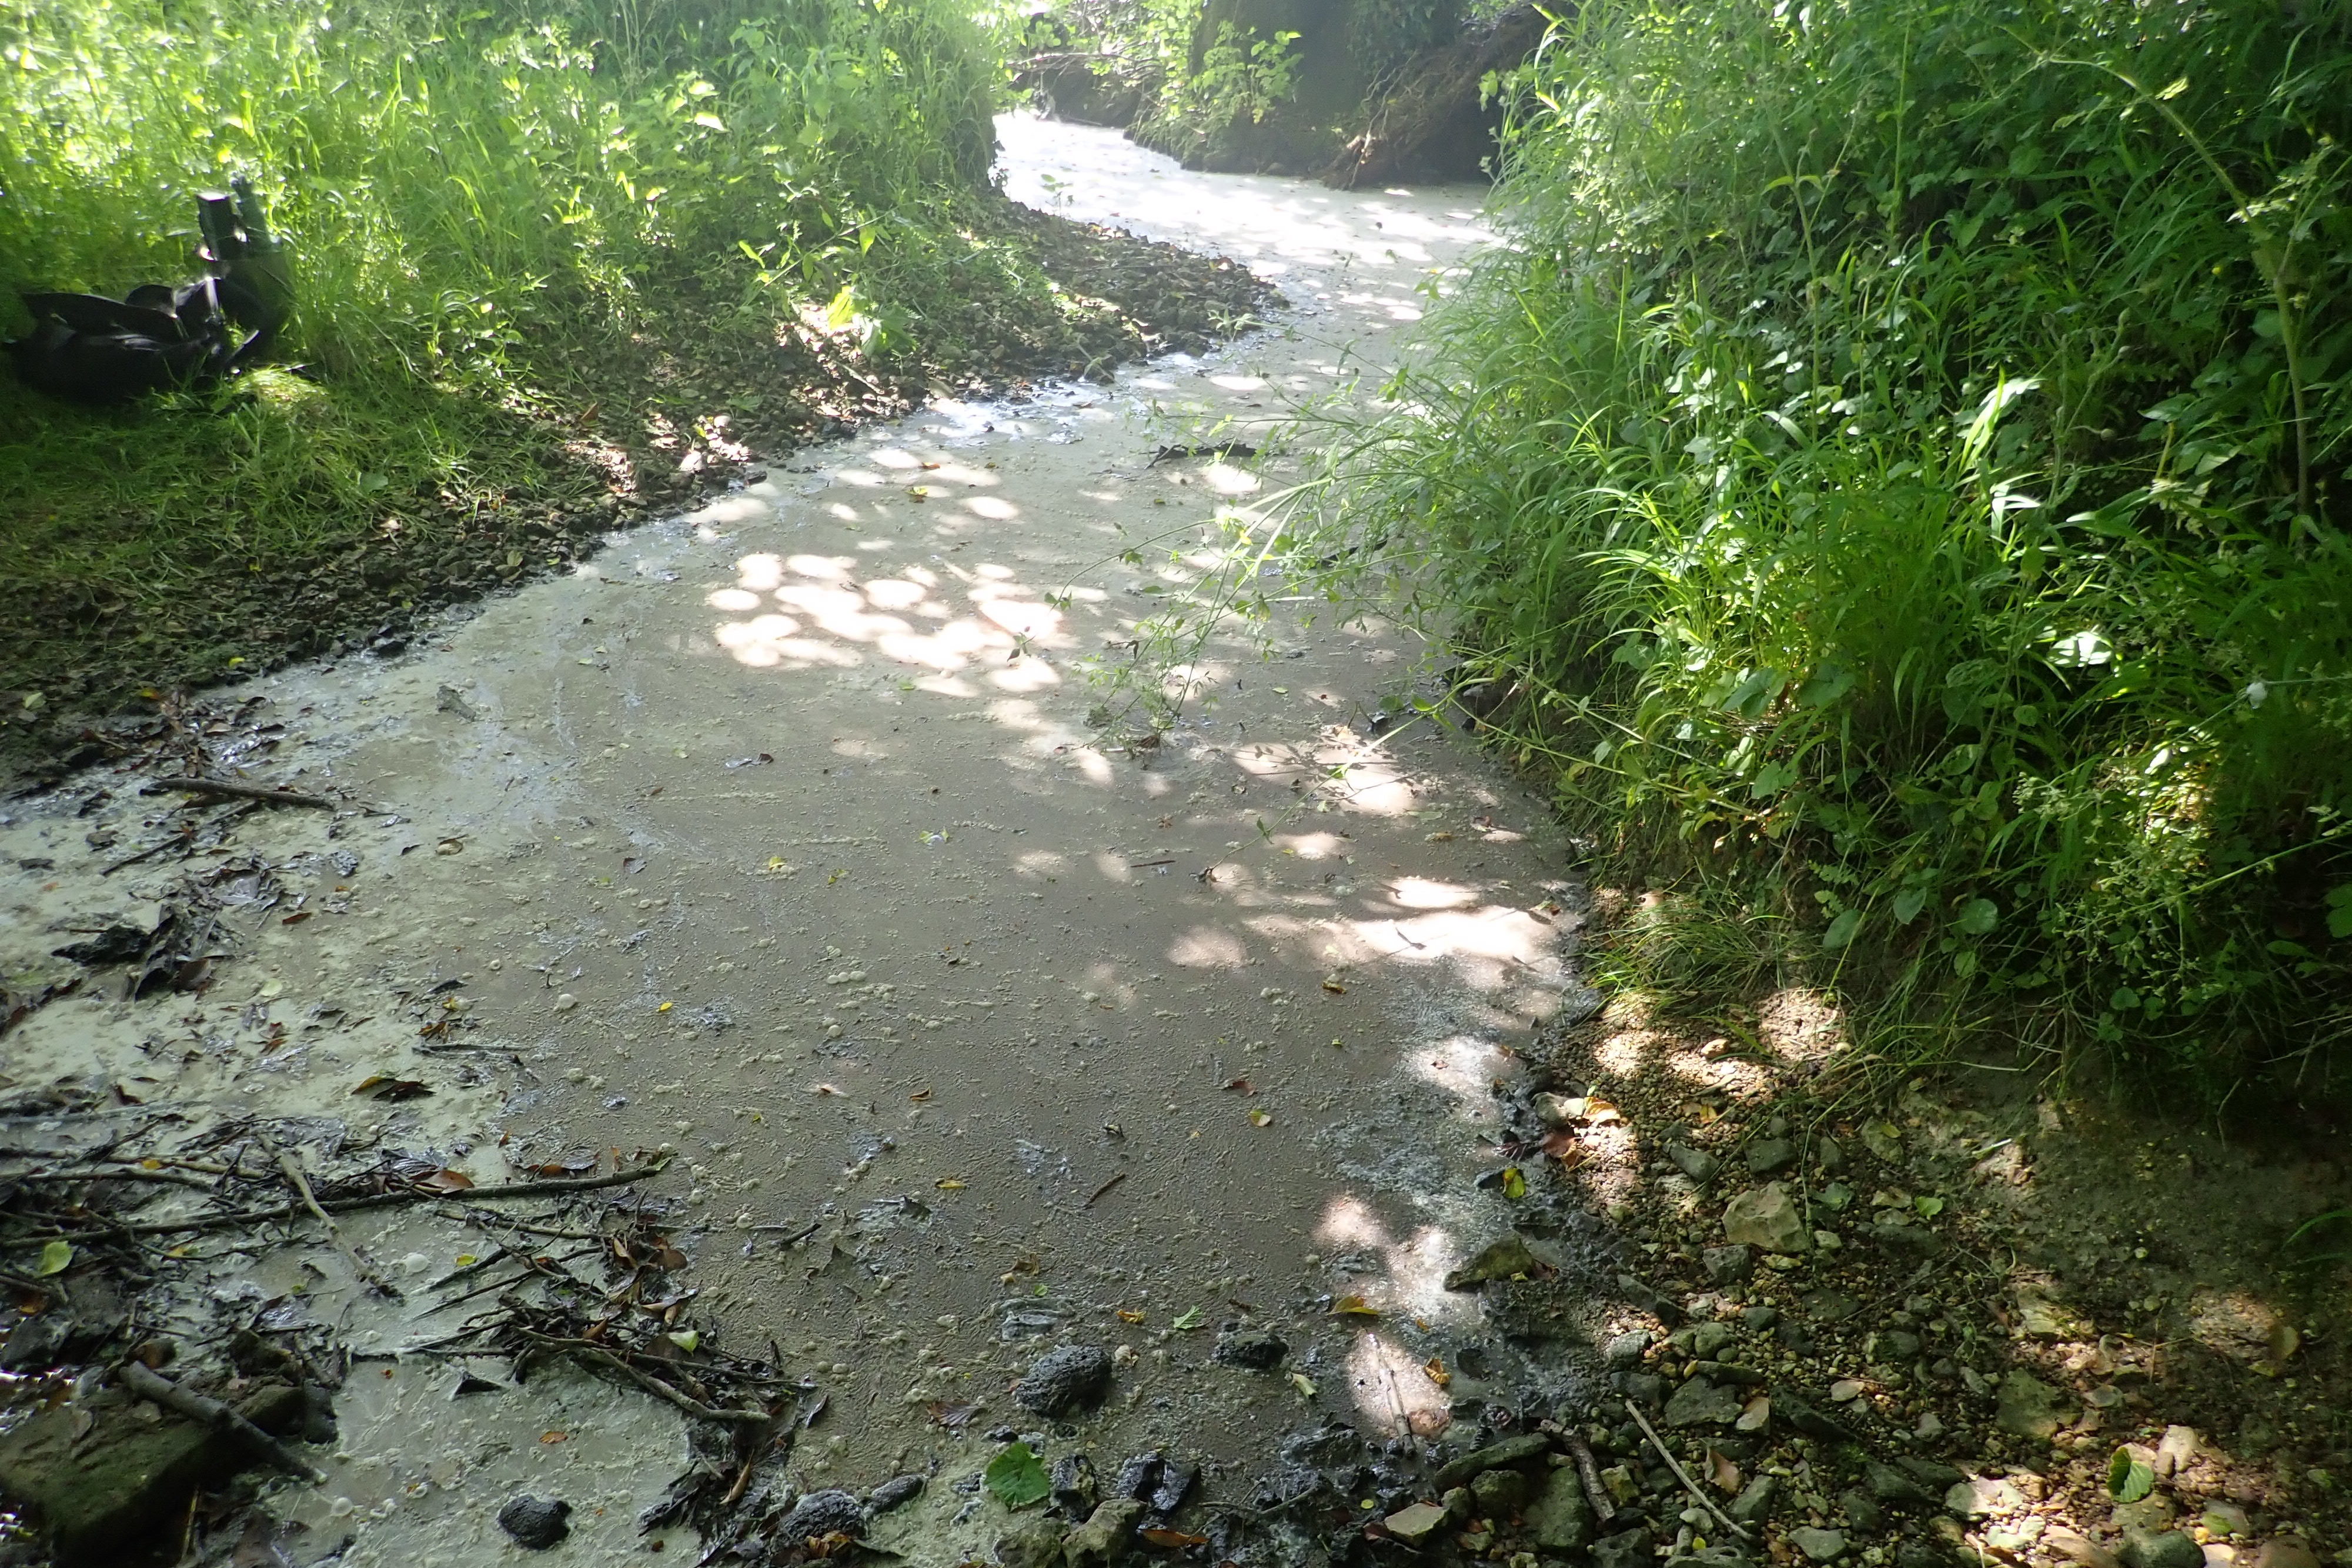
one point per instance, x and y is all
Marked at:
(55, 1258)
(1017, 1478)
(2129, 1480)
(1190, 1320)
(1908, 903)
(1842, 930)
(1978, 916)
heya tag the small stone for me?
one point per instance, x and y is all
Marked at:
(1074, 1377)
(1767, 1217)
(1699, 1403)
(1625, 1350)
(2078, 1549)
(1525, 1448)
(1933, 1474)
(1498, 1493)
(2176, 1451)
(1558, 1109)
(1821, 1546)
(1862, 1510)
(1560, 1519)
(1696, 1163)
(2165, 1549)
(1889, 1484)
(1755, 1500)
(1727, 1265)
(1036, 1546)
(1627, 1549)
(822, 1514)
(535, 1522)
(896, 1492)
(1459, 1505)
(1415, 1524)
(1103, 1539)
(1845, 1390)
(1253, 1350)
(1828, 1158)
(1642, 1387)
(1770, 1156)
(1708, 1338)
(1073, 1487)
(1900, 1345)
(2285, 1553)
(1496, 1260)
(2028, 1407)
(1759, 1317)
(1985, 1498)
(566, 1001)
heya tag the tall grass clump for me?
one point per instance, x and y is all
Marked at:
(1894, 475)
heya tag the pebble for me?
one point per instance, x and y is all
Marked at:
(1074, 1377)
(822, 1514)
(1695, 1163)
(1767, 1218)
(1415, 1524)
(1821, 1546)
(2165, 1549)
(1770, 1156)
(1727, 1265)
(896, 1492)
(1255, 1350)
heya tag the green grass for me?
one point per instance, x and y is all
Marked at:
(1897, 469)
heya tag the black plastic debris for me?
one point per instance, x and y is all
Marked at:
(157, 337)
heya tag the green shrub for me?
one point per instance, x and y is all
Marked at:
(1897, 465)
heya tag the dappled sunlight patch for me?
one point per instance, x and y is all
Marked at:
(1391, 1387)
(1463, 1066)
(1209, 947)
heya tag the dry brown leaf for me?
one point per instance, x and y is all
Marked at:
(1435, 1367)
(1170, 1539)
(1722, 1472)
(447, 1181)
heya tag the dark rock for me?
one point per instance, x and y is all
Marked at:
(1510, 1452)
(1642, 1387)
(1900, 1345)
(1829, 1306)
(1862, 1510)
(1498, 1493)
(1770, 1156)
(1699, 1403)
(1937, 1478)
(1911, 1240)
(1626, 1548)
(1759, 1317)
(535, 1522)
(1037, 1545)
(2029, 1407)
(1708, 1339)
(1562, 1518)
(896, 1492)
(1177, 1481)
(1255, 1350)
(1808, 1420)
(1793, 1337)
(1827, 1156)
(1650, 1299)
(1727, 1265)
(822, 1514)
(1075, 1377)
(1625, 1350)
(1925, 1554)
(1496, 1260)
(1139, 1477)
(1076, 1487)
(1693, 1162)
(1821, 1546)
(1755, 1500)
(1891, 1486)
(2166, 1549)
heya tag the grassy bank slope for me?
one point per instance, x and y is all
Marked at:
(546, 252)
(1894, 483)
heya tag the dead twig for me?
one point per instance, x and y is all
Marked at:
(359, 1266)
(1588, 1471)
(1102, 1189)
(148, 1383)
(235, 790)
(596, 1355)
(365, 1201)
(1681, 1474)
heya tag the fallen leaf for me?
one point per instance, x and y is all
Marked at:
(1514, 1182)
(1017, 1478)
(1722, 1472)
(1354, 1307)
(555, 1437)
(1259, 1116)
(299, 918)
(1243, 1084)
(1304, 1384)
(1435, 1368)
(949, 1184)
(919, 1094)
(1334, 986)
(2129, 1479)
(56, 1257)
(823, 1087)
(1438, 839)
(1600, 1112)
(1170, 1539)
(385, 1086)
(1129, 1315)
(446, 1180)
(686, 1340)
(1190, 1320)
(665, 1007)
(1563, 1146)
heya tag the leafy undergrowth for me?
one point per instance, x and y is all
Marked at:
(1892, 485)
(554, 270)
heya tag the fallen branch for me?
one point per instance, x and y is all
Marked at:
(1681, 1474)
(596, 1355)
(353, 1205)
(1588, 1471)
(359, 1266)
(148, 1383)
(236, 790)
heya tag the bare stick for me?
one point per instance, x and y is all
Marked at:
(236, 790)
(369, 1200)
(148, 1383)
(597, 1357)
(1682, 1475)
(359, 1266)
(1102, 1189)
(1588, 1471)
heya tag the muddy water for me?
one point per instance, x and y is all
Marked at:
(778, 837)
